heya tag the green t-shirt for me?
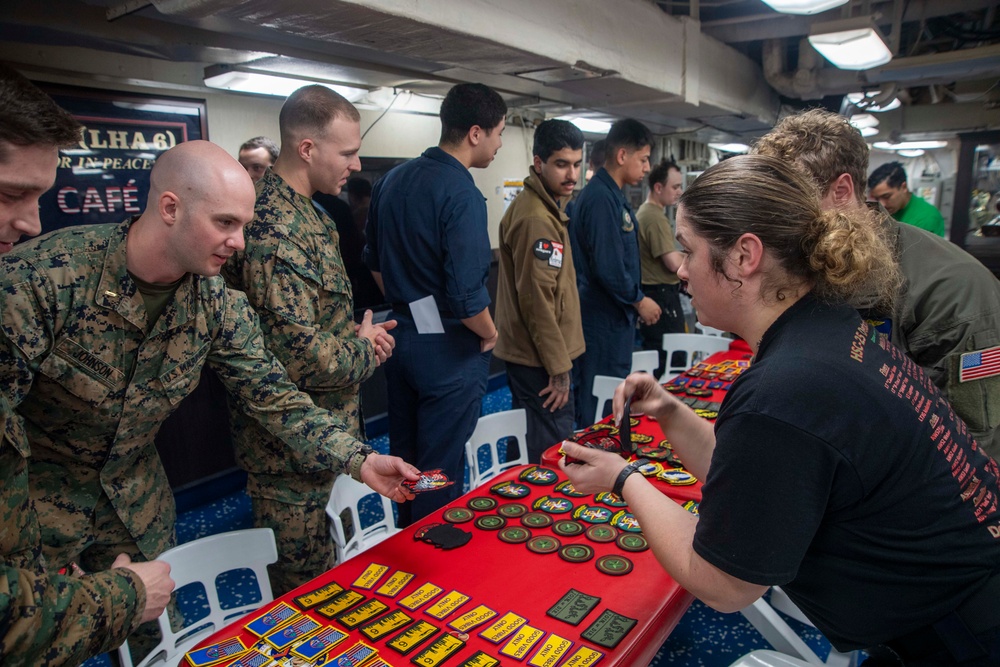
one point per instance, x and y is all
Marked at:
(656, 237)
(921, 214)
(155, 296)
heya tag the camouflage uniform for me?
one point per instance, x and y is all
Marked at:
(294, 277)
(91, 388)
(51, 619)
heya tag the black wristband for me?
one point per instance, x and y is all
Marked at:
(619, 486)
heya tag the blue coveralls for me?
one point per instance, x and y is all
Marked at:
(606, 255)
(427, 235)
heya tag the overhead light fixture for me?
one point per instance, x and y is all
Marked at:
(868, 131)
(909, 145)
(911, 152)
(803, 6)
(588, 124)
(242, 79)
(863, 120)
(854, 43)
(730, 148)
(865, 101)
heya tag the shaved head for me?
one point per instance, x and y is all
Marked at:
(200, 198)
(195, 170)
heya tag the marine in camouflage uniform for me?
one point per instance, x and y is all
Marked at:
(294, 277)
(90, 388)
(52, 619)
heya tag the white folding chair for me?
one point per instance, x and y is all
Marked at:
(694, 347)
(203, 561)
(779, 634)
(604, 391)
(645, 361)
(769, 659)
(708, 331)
(349, 534)
(490, 430)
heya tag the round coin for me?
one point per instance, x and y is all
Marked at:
(602, 534)
(567, 528)
(490, 522)
(536, 520)
(632, 542)
(566, 488)
(553, 505)
(510, 490)
(543, 544)
(592, 514)
(576, 553)
(626, 521)
(481, 503)
(512, 510)
(538, 475)
(458, 515)
(614, 565)
(514, 535)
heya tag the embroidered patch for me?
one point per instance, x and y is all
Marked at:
(609, 629)
(573, 607)
(980, 364)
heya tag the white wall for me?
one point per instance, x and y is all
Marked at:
(233, 118)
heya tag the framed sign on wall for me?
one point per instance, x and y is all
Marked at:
(106, 177)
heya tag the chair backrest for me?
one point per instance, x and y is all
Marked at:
(345, 500)
(693, 346)
(763, 658)
(489, 431)
(203, 561)
(707, 331)
(604, 391)
(645, 361)
(763, 617)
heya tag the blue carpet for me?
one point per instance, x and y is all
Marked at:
(703, 638)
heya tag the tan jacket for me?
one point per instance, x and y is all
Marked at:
(538, 306)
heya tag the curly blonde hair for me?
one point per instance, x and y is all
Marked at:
(846, 255)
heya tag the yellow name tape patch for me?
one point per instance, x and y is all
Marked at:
(446, 605)
(440, 650)
(472, 618)
(503, 628)
(551, 652)
(367, 579)
(522, 642)
(420, 597)
(583, 657)
(395, 583)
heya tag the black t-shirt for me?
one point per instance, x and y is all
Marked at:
(841, 474)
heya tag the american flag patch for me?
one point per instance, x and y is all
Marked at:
(979, 364)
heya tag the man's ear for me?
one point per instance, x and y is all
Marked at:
(167, 207)
(305, 149)
(841, 192)
(475, 135)
(537, 162)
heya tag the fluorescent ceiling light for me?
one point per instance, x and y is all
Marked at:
(589, 124)
(863, 120)
(864, 101)
(854, 44)
(247, 80)
(869, 131)
(909, 145)
(911, 152)
(803, 6)
(730, 148)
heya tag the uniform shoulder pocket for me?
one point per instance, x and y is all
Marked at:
(21, 320)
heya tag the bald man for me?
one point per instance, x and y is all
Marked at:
(106, 329)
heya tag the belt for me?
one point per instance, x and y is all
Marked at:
(977, 614)
(404, 308)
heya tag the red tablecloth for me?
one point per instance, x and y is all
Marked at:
(738, 351)
(509, 578)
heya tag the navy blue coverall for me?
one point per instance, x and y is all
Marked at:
(427, 235)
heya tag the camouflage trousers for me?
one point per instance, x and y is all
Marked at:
(300, 525)
(95, 551)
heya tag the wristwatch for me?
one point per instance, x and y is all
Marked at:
(619, 486)
(357, 459)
